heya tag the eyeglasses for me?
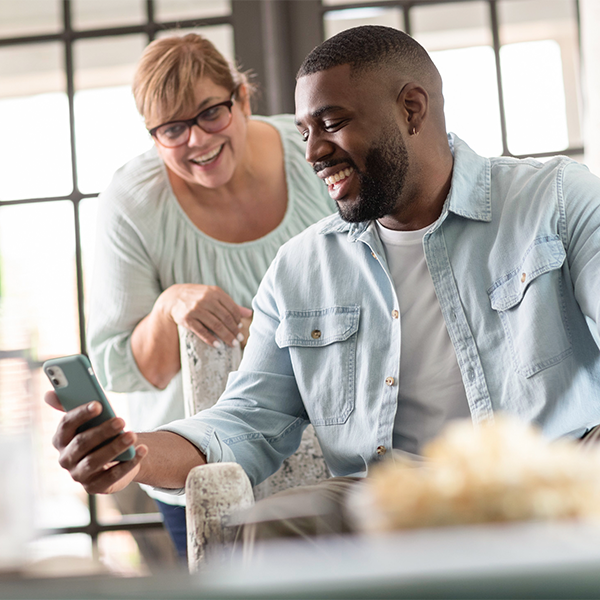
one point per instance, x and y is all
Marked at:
(212, 120)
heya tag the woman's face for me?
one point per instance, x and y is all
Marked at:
(209, 159)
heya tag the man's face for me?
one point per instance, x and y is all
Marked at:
(353, 141)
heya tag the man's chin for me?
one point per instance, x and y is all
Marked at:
(356, 212)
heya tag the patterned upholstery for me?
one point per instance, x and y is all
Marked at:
(216, 491)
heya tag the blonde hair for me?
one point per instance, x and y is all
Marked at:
(164, 83)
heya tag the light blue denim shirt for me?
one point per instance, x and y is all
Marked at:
(515, 262)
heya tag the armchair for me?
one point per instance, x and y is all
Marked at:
(215, 492)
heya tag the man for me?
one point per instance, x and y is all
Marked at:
(450, 285)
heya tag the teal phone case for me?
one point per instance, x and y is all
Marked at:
(75, 384)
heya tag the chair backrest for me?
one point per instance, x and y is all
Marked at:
(205, 370)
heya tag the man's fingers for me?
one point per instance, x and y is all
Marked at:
(116, 476)
(91, 451)
(72, 419)
(51, 399)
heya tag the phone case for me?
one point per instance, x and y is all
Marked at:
(75, 384)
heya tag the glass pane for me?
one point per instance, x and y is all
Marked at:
(476, 121)
(65, 555)
(173, 10)
(34, 120)
(453, 25)
(540, 51)
(17, 484)
(220, 35)
(39, 320)
(108, 129)
(107, 13)
(534, 97)
(39, 317)
(340, 20)
(37, 250)
(29, 17)
(120, 554)
(459, 40)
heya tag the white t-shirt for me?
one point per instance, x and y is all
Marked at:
(430, 391)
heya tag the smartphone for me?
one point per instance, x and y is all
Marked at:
(75, 384)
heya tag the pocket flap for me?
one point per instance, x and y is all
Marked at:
(544, 255)
(317, 327)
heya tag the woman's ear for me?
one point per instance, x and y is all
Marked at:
(244, 99)
(413, 103)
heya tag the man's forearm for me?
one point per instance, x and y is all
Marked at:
(170, 458)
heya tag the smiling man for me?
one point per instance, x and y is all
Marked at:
(448, 286)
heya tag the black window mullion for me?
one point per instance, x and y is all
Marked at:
(496, 44)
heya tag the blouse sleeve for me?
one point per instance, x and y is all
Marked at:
(125, 284)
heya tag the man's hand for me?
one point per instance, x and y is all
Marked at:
(95, 468)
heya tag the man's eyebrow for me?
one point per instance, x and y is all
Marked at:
(321, 111)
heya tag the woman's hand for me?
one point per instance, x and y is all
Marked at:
(95, 468)
(207, 311)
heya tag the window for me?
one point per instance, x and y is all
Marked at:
(511, 83)
(510, 67)
(65, 87)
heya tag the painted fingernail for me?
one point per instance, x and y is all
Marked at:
(240, 337)
(91, 406)
(235, 344)
(240, 325)
(218, 345)
(127, 438)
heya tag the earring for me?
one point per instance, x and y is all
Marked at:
(414, 131)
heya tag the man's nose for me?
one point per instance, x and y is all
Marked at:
(318, 149)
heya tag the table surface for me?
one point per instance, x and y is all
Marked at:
(534, 560)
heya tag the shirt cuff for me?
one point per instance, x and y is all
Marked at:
(202, 436)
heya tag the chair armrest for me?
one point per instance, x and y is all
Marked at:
(213, 493)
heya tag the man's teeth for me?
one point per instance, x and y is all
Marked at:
(202, 160)
(339, 176)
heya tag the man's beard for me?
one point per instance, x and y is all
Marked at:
(381, 182)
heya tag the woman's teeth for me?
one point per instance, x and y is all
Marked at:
(339, 176)
(206, 158)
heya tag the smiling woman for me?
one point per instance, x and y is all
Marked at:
(187, 230)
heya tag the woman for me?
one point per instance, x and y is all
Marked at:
(188, 229)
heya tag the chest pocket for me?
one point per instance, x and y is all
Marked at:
(322, 347)
(529, 302)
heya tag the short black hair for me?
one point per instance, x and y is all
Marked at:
(369, 47)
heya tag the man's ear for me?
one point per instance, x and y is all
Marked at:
(413, 102)
(243, 97)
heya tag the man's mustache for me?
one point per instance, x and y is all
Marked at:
(319, 166)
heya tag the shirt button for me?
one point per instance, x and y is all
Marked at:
(395, 314)
(316, 334)
(381, 450)
(390, 381)
(374, 255)
(523, 277)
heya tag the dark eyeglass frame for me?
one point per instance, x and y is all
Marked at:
(194, 121)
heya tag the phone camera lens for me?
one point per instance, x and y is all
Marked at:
(50, 372)
(55, 381)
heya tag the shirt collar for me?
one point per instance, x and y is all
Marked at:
(469, 196)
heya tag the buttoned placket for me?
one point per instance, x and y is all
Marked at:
(390, 384)
(459, 331)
